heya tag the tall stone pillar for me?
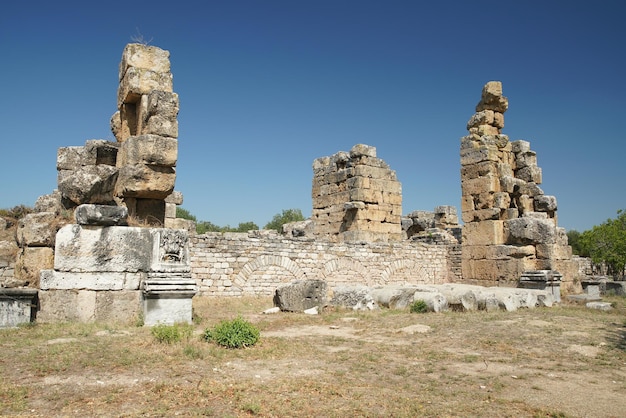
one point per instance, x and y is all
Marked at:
(510, 225)
(147, 128)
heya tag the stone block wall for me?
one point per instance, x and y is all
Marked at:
(510, 224)
(356, 197)
(235, 264)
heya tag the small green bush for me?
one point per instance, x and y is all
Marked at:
(237, 333)
(171, 333)
(419, 306)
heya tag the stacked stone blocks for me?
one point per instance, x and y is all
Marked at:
(146, 127)
(356, 197)
(510, 224)
(236, 264)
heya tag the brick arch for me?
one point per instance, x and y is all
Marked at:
(275, 264)
(405, 271)
(333, 268)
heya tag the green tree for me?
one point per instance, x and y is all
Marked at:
(184, 214)
(573, 239)
(606, 243)
(287, 215)
(246, 226)
(206, 226)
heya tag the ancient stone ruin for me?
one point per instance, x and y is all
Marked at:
(356, 197)
(77, 258)
(510, 225)
(103, 269)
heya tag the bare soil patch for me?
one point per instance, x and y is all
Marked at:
(562, 361)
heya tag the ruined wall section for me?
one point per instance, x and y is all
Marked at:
(510, 225)
(356, 197)
(255, 263)
(146, 127)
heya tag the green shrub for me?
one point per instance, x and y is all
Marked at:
(419, 306)
(171, 333)
(237, 333)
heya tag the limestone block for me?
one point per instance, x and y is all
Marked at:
(477, 155)
(561, 236)
(460, 296)
(176, 197)
(366, 195)
(481, 118)
(88, 184)
(530, 230)
(37, 230)
(116, 126)
(102, 151)
(374, 172)
(159, 125)
(435, 301)
(488, 183)
(545, 203)
(481, 215)
(483, 233)
(31, 261)
(525, 204)
(500, 141)
(525, 159)
(178, 223)
(501, 200)
(510, 213)
(71, 158)
(145, 57)
(98, 249)
(498, 120)
(467, 203)
(118, 307)
(494, 271)
(17, 306)
(394, 297)
(554, 251)
(353, 297)
(483, 168)
(530, 189)
(505, 169)
(492, 98)
(150, 150)
(104, 280)
(103, 215)
(50, 203)
(362, 150)
(520, 146)
(162, 103)
(508, 183)
(145, 181)
(88, 306)
(301, 295)
(137, 82)
(497, 252)
(487, 130)
(170, 210)
(531, 174)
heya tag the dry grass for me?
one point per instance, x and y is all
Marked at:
(564, 361)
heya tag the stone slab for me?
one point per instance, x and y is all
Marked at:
(51, 279)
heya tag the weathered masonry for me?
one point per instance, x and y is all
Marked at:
(235, 264)
(510, 224)
(76, 258)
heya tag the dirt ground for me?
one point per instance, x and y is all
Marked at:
(549, 362)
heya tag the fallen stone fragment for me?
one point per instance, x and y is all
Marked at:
(602, 306)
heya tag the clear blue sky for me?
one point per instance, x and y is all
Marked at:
(268, 86)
